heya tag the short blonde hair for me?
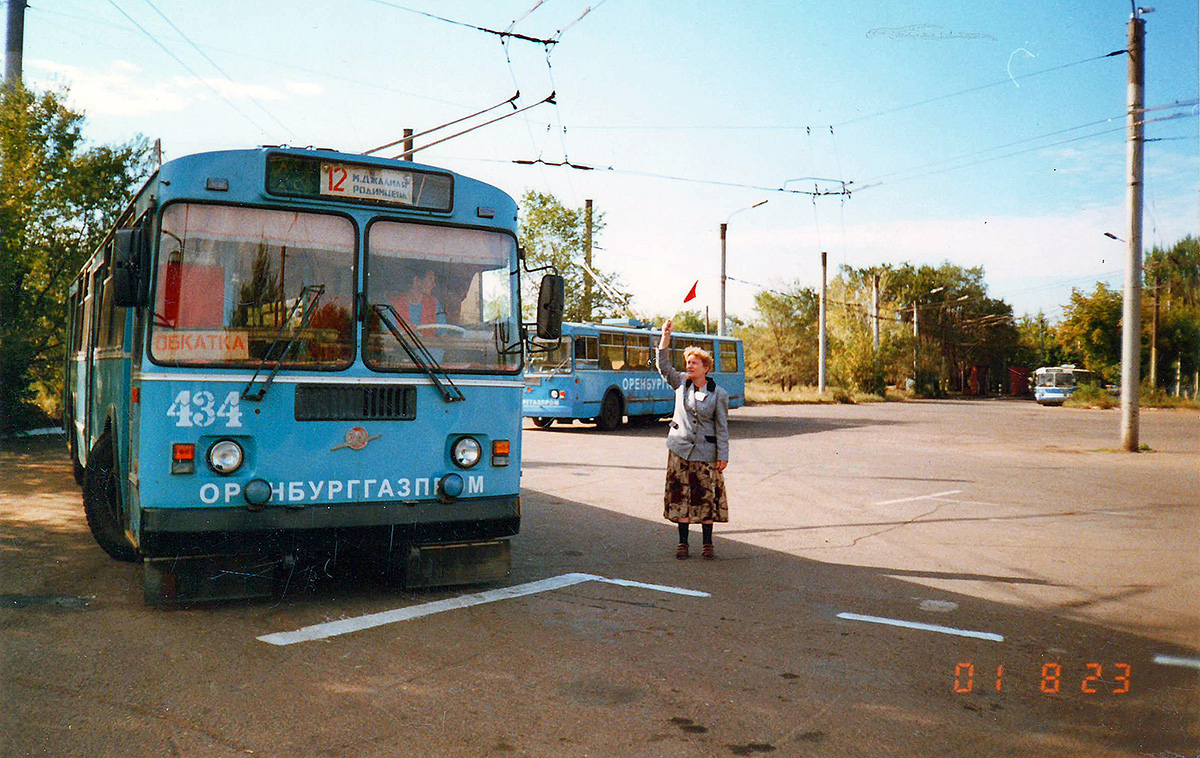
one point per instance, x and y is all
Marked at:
(700, 353)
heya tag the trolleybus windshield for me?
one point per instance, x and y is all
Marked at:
(453, 286)
(230, 282)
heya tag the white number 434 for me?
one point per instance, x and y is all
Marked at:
(200, 409)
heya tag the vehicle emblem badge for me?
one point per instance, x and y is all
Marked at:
(356, 439)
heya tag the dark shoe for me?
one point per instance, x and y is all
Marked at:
(681, 552)
(707, 553)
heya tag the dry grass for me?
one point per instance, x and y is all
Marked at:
(761, 393)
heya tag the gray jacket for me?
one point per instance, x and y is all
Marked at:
(700, 426)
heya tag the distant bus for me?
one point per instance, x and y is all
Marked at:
(1052, 385)
(284, 352)
(605, 372)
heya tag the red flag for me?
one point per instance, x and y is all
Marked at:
(692, 292)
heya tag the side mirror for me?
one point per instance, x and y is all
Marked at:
(552, 299)
(127, 269)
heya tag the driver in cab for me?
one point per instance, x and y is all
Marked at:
(415, 303)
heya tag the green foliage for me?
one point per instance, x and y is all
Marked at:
(553, 234)
(1090, 332)
(781, 347)
(58, 200)
(1092, 396)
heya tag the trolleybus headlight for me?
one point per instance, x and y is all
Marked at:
(466, 451)
(225, 456)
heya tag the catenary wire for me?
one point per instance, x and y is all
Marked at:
(188, 68)
(206, 57)
(497, 32)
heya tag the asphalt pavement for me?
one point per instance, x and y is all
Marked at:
(966, 578)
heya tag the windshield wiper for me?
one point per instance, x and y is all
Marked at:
(417, 352)
(310, 307)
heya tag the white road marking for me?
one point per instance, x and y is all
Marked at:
(923, 627)
(938, 606)
(919, 497)
(1170, 660)
(346, 626)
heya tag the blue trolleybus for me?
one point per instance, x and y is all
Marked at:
(1052, 385)
(605, 372)
(286, 352)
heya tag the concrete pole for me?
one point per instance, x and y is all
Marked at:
(1154, 339)
(875, 312)
(821, 333)
(408, 145)
(916, 346)
(721, 316)
(14, 49)
(1131, 328)
(587, 258)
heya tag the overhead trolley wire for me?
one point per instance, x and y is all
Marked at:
(1017, 152)
(969, 90)
(497, 32)
(206, 57)
(864, 116)
(188, 68)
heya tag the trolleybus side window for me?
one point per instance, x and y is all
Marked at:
(612, 351)
(232, 282)
(587, 352)
(112, 319)
(557, 360)
(453, 286)
(679, 344)
(637, 349)
(729, 358)
(77, 317)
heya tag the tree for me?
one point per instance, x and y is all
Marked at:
(553, 234)
(781, 345)
(1090, 332)
(57, 202)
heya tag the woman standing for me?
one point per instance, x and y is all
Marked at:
(698, 445)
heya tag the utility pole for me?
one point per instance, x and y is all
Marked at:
(821, 333)
(721, 315)
(1131, 327)
(587, 258)
(408, 145)
(916, 345)
(875, 312)
(1154, 338)
(14, 50)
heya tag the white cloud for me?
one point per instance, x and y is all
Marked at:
(112, 92)
(304, 89)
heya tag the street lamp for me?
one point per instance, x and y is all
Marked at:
(721, 330)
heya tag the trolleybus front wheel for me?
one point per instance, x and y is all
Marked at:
(543, 422)
(102, 501)
(610, 412)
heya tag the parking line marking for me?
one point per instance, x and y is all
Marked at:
(346, 626)
(1171, 660)
(923, 627)
(919, 497)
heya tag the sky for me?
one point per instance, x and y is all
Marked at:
(988, 133)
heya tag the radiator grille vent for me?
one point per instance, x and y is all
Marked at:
(324, 403)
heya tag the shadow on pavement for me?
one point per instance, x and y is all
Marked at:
(765, 663)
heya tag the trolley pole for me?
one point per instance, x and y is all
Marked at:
(15, 42)
(821, 333)
(1131, 330)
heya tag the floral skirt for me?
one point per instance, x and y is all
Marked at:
(695, 492)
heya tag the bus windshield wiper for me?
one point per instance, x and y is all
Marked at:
(310, 307)
(417, 352)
